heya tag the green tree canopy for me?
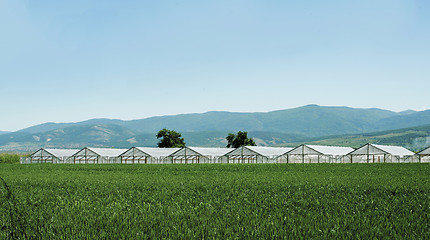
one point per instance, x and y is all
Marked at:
(170, 139)
(241, 139)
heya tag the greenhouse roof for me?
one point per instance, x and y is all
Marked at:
(425, 151)
(319, 150)
(201, 151)
(62, 152)
(395, 150)
(59, 153)
(269, 151)
(157, 152)
(108, 152)
(382, 149)
(331, 150)
(211, 151)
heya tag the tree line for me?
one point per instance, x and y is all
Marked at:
(172, 139)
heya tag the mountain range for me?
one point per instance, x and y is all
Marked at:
(413, 138)
(311, 123)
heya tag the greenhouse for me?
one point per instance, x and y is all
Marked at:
(49, 155)
(368, 153)
(314, 154)
(198, 155)
(424, 155)
(254, 154)
(373, 153)
(146, 155)
(96, 155)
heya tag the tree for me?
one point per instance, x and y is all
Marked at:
(241, 139)
(170, 139)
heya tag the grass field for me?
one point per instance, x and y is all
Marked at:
(215, 201)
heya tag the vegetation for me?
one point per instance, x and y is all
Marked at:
(267, 201)
(239, 140)
(170, 139)
(9, 158)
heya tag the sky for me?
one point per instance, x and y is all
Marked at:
(69, 61)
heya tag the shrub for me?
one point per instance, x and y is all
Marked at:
(9, 158)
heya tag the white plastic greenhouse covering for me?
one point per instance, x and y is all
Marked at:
(254, 154)
(270, 152)
(49, 155)
(198, 155)
(332, 150)
(369, 153)
(425, 151)
(314, 154)
(424, 155)
(95, 155)
(395, 150)
(146, 155)
(373, 153)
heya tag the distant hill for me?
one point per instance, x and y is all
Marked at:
(98, 135)
(313, 123)
(404, 121)
(110, 135)
(52, 126)
(3, 132)
(414, 138)
(217, 139)
(311, 120)
(407, 112)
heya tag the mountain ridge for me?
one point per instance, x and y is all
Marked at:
(280, 127)
(296, 120)
(414, 138)
(99, 135)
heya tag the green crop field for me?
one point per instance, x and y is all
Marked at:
(257, 201)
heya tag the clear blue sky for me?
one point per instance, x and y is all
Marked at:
(67, 61)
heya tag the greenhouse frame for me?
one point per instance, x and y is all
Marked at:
(254, 154)
(49, 155)
(198, 155)
(95, 155)
(373, 153)
(146, 155)
(368, 153)
(314, 154)
(424, 155)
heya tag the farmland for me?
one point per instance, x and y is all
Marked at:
(215, 201)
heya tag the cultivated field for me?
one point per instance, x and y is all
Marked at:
(215, 201)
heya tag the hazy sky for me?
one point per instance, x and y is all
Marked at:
(66, 61)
